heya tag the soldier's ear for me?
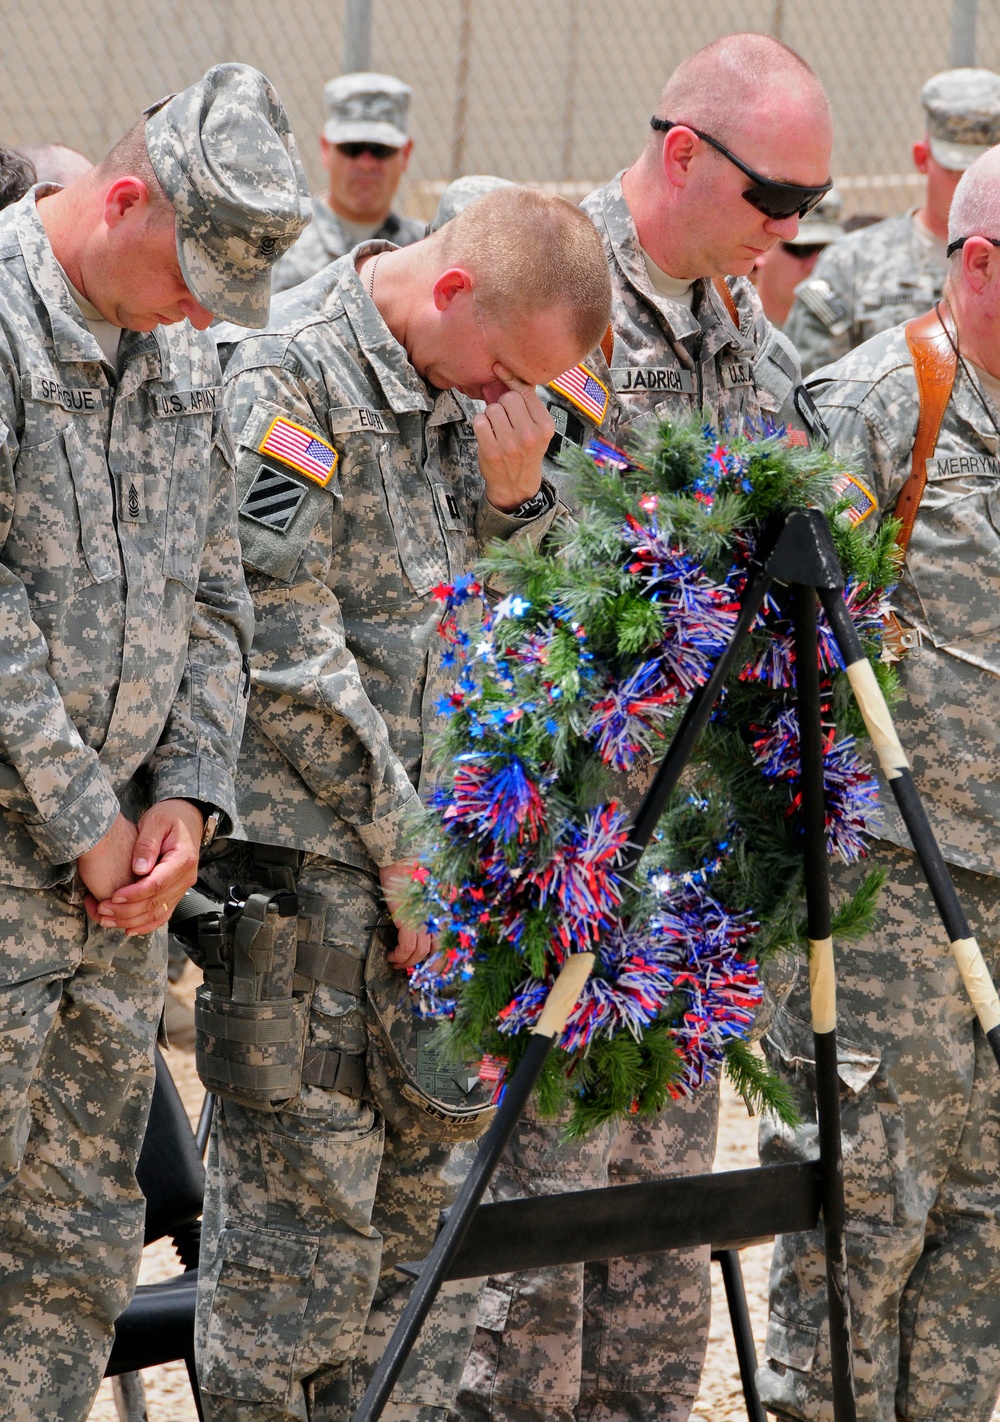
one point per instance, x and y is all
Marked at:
(125, 195)
(921, 154)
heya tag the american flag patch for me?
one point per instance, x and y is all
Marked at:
(273, 499)
(845, 486)
(295, 445)
(584, 390)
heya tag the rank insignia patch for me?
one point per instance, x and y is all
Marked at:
(301, 448)
(583, 389)
(845, 486)
(272, 499)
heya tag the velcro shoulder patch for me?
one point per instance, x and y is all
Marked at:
(863, 501)
(826, 305)
(582, 388)
(273, 499)
(300, 448)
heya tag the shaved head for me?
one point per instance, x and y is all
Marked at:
(717, 87)
(975, 208)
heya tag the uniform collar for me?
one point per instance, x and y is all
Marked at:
(401, 385)
(624, 242)
(71, 336)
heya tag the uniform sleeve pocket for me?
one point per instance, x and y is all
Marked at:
(791, 1344)
(263, 1279)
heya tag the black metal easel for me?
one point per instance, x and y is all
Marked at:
(741, 1206)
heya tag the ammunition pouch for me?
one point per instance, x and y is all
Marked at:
(262, 953)
(416, 1093)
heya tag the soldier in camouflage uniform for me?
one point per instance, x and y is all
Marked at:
(397, 484)
(626, 1339)
(365, 151)
(126, 626)
(883, 275)
(920, 1097)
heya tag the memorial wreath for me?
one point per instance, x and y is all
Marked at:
(563, 694)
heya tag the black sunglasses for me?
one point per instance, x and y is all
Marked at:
(960, 242)
(381, 151)
(773, 199)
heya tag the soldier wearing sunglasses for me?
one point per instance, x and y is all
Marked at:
(365, 150)
(884, 275)
(738, 151)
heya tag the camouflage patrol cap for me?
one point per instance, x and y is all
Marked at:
(367, 108)
(821, 225)
(963, 115)
(457, 196)
(226, 158)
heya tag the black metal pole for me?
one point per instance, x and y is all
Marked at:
(892, 757)
(823, 998)
(739, 1317)
(435, 1267)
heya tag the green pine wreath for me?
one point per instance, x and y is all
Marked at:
(564, 699)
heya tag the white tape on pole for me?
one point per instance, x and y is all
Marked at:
(822, 985)
(871, 703)
(978, 983)
(564, 995)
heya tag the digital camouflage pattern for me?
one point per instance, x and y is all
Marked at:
(920, 1119)
(668, 360)
(347, 664)
(629, 1347)
(963, 115)
(78, 1077)
(125, 620)
(872, 279)
(226, 158)
(307, 1212)
(947, 714)
(347, 675)
(621, 1339)
(920, 1099)
(324, 240)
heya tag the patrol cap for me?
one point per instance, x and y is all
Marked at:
(226, 158)
(367, 108)
(963, 115)
(457, 196)
(821, 225)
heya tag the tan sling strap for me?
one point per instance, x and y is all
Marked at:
(722, 287)
(935, 361)
(608, 345)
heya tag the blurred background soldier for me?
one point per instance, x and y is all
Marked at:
(921, 1096)
(126, 629)
(56, 163)
(624, 1341)
(895, 269)
(365, 150)
(778, 271)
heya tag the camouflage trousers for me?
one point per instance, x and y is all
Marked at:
(79, 1008)
(617, 1341)
(920, 1097)
(307, 1211)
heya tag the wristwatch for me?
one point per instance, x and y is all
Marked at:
(534, 507)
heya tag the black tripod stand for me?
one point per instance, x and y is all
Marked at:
(799, 551)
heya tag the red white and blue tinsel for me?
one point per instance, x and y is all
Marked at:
(685, 958)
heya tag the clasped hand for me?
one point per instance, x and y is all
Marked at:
(136, 875)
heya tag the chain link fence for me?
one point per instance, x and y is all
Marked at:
(556, 92)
